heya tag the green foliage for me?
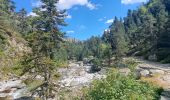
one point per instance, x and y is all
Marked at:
(96, 65)
(143, 10)
(34, 84)
(74, 50)
(96, 61)
(23, 25)
(163, 54)
(92, 47)
(163, 51)
(44, 39)
(131, 64)
(117, 87)
(116, 39)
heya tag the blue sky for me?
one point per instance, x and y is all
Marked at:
(87, 18)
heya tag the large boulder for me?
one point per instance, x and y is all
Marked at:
(144, 73)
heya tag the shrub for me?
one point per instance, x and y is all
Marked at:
(117, 87)
(96, 65)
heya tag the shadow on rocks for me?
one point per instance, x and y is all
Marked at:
(25, 98)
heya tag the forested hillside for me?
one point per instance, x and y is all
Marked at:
(35, 51)
(12, 45)
(144, 32)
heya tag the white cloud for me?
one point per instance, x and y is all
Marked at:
(32, 14)
(36, 3)
(69, 32)
(132, 1)
(67, 4)
(69, 17)
(109, 21)
(101, 19)
(91, 6)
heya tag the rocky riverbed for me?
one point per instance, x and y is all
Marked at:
(78, 75)
(74, 77)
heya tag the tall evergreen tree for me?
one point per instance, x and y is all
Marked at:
(44, 41)
(118, 43)
(164, 44)
(23, 26)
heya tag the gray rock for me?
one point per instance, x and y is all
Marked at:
(164, 98)
(137, 72)
(165, 95)
(88, 68)
(85, 60)
(156, 71)
(80, 63)
(11, 88)
(144, 73)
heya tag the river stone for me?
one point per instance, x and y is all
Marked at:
(164, 98)
(81, 73)
(165, 95)
(156, 71)
(144, 73)
(80, 63)
(88, 68)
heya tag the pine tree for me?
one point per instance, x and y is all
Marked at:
(130, 26)
(44, 41)
(164, 44)
(118, 43)
(23, 26)
(7, 14)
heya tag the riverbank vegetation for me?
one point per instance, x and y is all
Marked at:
(34, 46)
(119, 87)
